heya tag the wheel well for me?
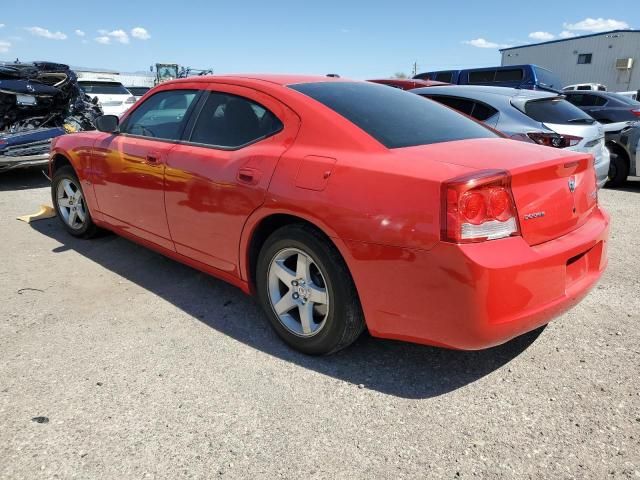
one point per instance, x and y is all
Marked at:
(264, 229)
(59, 161)
(618, 150)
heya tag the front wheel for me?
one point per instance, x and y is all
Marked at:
(69, 202)
(307, 292)
(618, 171)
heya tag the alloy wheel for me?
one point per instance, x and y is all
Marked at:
(298, 292)
(71, 204)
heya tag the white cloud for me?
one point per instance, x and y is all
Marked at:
(43, 32)
(566, 34)
(4, 46)
(482, 43)
(119, 36)
(543, 36)
(80, 33)
(104, 40)
(140, 33)
(596, 25)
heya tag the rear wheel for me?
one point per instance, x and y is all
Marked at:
(618, 171)
(69, 202)
(307, 292)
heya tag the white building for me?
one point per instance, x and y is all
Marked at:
(610, 58)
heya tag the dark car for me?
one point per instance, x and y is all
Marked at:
(623, 141)
(530, 77)
(606, 107)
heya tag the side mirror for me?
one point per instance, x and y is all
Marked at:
(108, 123)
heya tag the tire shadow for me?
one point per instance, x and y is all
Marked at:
(395, 368)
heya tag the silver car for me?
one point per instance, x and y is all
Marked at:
(529, 115)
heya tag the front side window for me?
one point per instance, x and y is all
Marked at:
(393, 117)
(584, 58)
(230, 121)
(161, 115)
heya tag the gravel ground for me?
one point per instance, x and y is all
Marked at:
(145, 368)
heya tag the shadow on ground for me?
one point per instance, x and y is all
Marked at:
(395, 368)
(23, 179)
(631, 185)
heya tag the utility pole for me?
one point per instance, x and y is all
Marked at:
(414, 69)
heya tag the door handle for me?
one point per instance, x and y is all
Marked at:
(248, 175)
(153, 157)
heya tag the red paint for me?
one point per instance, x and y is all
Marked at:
(382, 208)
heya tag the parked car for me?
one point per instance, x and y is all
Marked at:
(343, 205)
(138, 92)
(623, 141)
(606, 107)
(405, 83)
(112, 96)
(530, 77)
(598, 87)
(532, 116)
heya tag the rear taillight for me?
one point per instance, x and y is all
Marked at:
(554, 140)
(636, 112)
(130, 100)
(478, 207)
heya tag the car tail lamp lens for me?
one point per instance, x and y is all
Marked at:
(636, 112)
(130, 100)
(554, 140)
(478, 207)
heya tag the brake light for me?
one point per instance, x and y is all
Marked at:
(478, 207)
(636, 112)
(554, 140)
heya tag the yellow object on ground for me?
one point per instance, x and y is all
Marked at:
(45, 212)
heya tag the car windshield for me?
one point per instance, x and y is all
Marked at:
(555, 110)
(394, 117)
(103, 88)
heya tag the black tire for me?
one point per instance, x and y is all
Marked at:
(344, 320)
(618, 171)
(87, 229)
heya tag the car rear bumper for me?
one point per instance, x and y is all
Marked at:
(476, 295)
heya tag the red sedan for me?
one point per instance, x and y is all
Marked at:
(343, 205)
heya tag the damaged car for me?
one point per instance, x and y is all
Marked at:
(39, 101)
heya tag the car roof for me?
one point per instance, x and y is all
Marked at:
(473, 90)
(278, 79)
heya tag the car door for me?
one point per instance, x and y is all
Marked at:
(128, 167)
(220, 173)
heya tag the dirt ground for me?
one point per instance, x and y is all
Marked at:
(145, 368)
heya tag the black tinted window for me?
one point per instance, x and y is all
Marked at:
(393, 117)
(584, 58)
(483, 76)
(511, 75)
(460, 104)
(230, 121)
(421, 76)
(482, 112)
(556, 111)
(586, 100)
(444, 77)
(160, 116)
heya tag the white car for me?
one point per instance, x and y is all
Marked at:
(587, 86)
(112, 96)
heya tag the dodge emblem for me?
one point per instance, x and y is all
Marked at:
(572, 184)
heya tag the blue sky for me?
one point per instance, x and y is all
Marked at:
(358, 39)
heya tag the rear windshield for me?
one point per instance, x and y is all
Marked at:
(138, 91)
(103, 88)
(624, 99)
(393, 117)
(556, 110)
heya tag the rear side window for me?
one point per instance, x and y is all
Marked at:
(446, 77)
(511, 75)
(160, 116)
(474, 109)
(230, 121)
(483, 76)
(393, 117)
(557, 111)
